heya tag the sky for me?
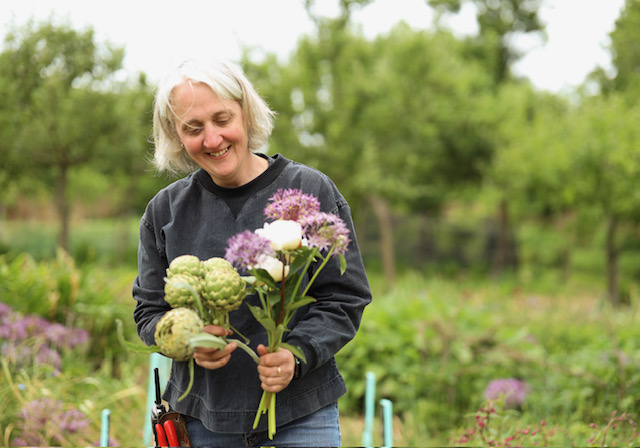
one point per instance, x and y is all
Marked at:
(153, 32)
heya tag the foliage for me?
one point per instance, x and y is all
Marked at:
(495, 426)
(498, 21)
(447, 344)
(90, 298)
(42, 409)
(625, 52)
(439, 340)
(62, 110)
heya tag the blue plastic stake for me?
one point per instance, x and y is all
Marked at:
(387, 422)
(164, 365)
(369, 409)
(104, 429)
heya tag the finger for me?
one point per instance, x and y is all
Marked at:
(212, 358)
(215, 352)
(262, 350)
(217, 330)
(274, 387)
(274, 371)
(213, 364)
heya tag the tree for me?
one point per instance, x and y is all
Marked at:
(625, 49)
(55, 81)
(499, 21)
(395, 122)
(581, 160)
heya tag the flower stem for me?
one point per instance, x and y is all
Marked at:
(315, 275)
(282, 294)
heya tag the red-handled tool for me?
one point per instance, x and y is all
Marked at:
(170, 431)
(160, 436)
(158, 411)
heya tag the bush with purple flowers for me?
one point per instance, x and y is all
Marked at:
(32, 340)
(46, 422)
(512, 391)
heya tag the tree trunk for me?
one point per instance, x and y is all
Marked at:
(387, 252)
(62, 203)
(501, 250)
(612, 262)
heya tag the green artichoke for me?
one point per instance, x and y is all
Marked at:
(216, 262)
(223, 289)
(183, 290)
(185, 264)
(174, 331)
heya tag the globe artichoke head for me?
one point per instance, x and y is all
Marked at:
(215, 263)
(179, 290)
(174, 331)
(185, 264)
(223, 289)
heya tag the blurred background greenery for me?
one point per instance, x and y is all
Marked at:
(500, 225)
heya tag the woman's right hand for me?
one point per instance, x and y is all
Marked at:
(213, 358)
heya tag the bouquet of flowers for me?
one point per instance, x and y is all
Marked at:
(277, 257)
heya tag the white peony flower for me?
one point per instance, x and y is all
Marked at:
(284, 235)
(273, 266)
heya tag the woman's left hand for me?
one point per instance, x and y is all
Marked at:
(275, 369)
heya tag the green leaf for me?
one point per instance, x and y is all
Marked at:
(249, 279)
(264, 277)
(207, 340)
(295, 350)
(343, 264)
(191, 375)
(303, 301)
(262, 317)
(274, 298)
(301, 257)
(130, 346)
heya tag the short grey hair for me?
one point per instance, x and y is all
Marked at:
(227, 81)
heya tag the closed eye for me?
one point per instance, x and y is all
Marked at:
(191, 129)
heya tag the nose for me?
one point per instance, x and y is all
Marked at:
(212, 136)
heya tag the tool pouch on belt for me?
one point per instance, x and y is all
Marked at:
(179, 424)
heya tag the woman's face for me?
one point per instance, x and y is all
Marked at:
(213, 133)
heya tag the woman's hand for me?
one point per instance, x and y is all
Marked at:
(275, 369)
(213, 358)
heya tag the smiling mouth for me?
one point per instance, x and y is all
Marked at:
(220, 153)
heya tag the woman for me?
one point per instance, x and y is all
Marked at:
(209, 121)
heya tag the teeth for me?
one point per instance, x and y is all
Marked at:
(220, 153)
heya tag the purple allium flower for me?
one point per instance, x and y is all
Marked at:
(324, 230)
(64, 337)
(47, 356)
(76, 336)
(5, 310)
(246, 249)
(34, 417)
(512, 390)
(16, 353)
(291, 205)
(13, 328)
(44, 418)
(73, 421)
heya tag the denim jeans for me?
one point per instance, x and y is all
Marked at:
(320, 429)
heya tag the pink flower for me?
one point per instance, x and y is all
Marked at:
(291, 205)
(512, 390)
(324, 230)
(247, 249)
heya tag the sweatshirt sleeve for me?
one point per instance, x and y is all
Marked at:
(148, 287)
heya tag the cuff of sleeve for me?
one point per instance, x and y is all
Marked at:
(309, 353)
